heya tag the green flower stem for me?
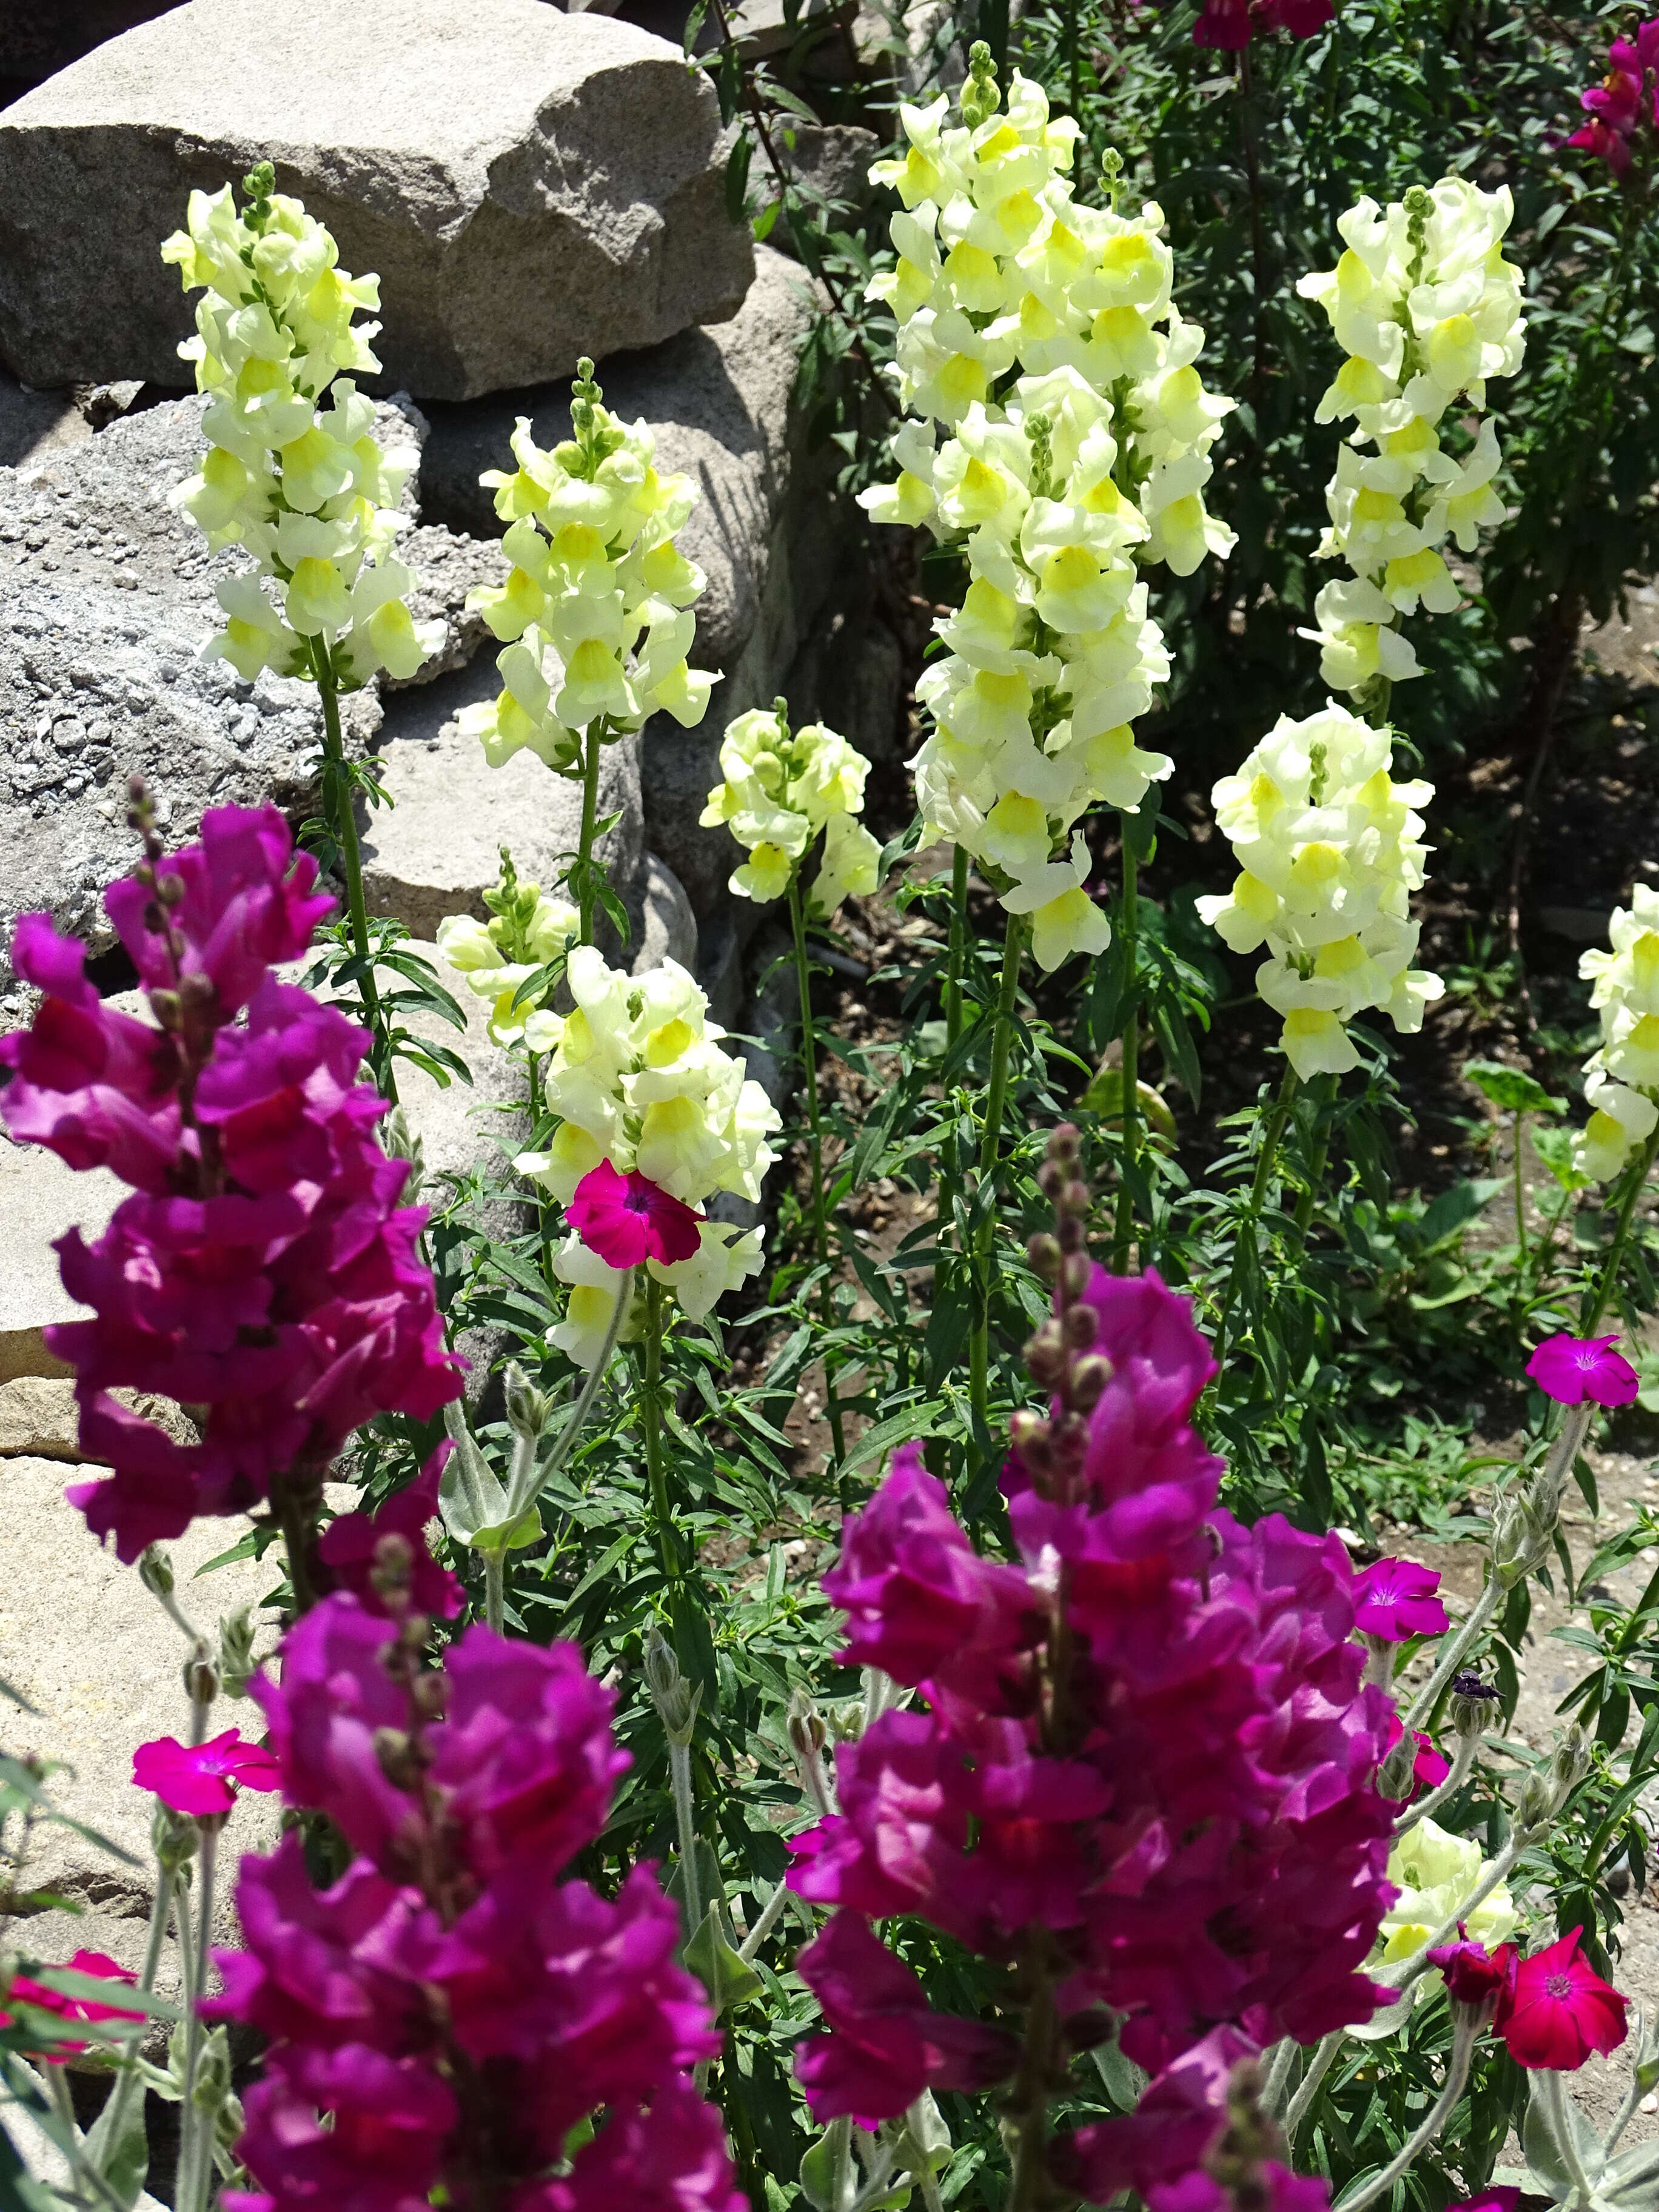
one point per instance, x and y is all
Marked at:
(1123, 1237)
(809, 1054)
(651, 1422)
(990, 1145)
(342, 822)
(1457, 2073)
(1595, 1308)
(196, 2147)
(495, 1590)
(1318, 2067)
(1316, 1159)
(299, 1539)
(1457, 1775)
(958, 945)
(584, 868)
(1520, 1191)
(1272, 1135)
(680, 1775)
(106, 2132)
(771, 1912)
(1553, 2092)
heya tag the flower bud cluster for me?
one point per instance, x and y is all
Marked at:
(1330, 849)
(305, 488)
(638, 1078)
(1041, 335)
(1426, 309)
(782, 786)
(1621, 1076)
(451, 2018)
(526, 930)
(596, 610)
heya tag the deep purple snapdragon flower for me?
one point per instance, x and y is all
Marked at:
(1141, 1769)
(262, 1269)
(450, 2010)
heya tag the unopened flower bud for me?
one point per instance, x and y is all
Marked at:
(1070, 1232)
(1079, 1267)
(1570, 1762)
(1051, 1179)
(1473, 1703)
(1397, 1773)
(201, 1677)
(399, 1761)
(1537, 1802)
(1089, 1379)
(675, 1700)
(389, 1575)
(1044, 1354)
(173, 1836)
(805, 1725)
(156, 1570)
(1069, 1440)
(428, 1693)
(1027, 1433)
(527, 1407)
(1076, 1199)
(1080, 1327)
(1064, 1145)
(1044, 1254)
(167, 1009)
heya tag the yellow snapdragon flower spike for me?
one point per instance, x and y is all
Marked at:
(1621, 1076)
(780, 788)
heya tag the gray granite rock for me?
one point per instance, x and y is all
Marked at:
(36, 422)
(39, 1420)
(105, 600)
(529, 185)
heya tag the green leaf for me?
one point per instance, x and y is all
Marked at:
(1512, 1088)
(730, 1983)
(1555, 1147)
(1455, 1208)
(1105, 1097)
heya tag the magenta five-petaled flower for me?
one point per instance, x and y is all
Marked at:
(1394, 1599)
(1571, 1369)
(1554, 2009)
(629, 1219)
(262, 1270)
(1616, 105)
(450, 2010)
(203, 1778)
(1187, 1831)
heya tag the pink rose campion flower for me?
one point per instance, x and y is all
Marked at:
(1187, 1829)
(97, 1964)
(1571, 1369)
(1395, 1598)
(202, 1779)
(1474, 1976)
(262, 1268)
(1554, 2008)
(629, 1219)
(456, 1972)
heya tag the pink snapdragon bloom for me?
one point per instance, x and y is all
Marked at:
(348, 1544)
(1571, 1369)
(629, 1219)
(1554, 2008)
(1231, 24)
(887, 2043)
(1184, 1824)
(262, 1268)
(203, 1779)
(98, 1965)
(1394, 1599)
(1474, 1976)
(445, 2015)
(1615, 106)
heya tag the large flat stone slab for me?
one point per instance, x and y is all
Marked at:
(529, 185)
(41, 1200)
(83, 1640)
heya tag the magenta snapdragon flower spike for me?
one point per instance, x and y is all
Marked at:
(1571, 1369)
(1395, 1598)
(97, 1964)
(1140, 1769)
(262, 1269)
(450, 2010)
(1554, 2008)
(1231, 24)
(629, 1219)
(1616, 105)
(202, 1779)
